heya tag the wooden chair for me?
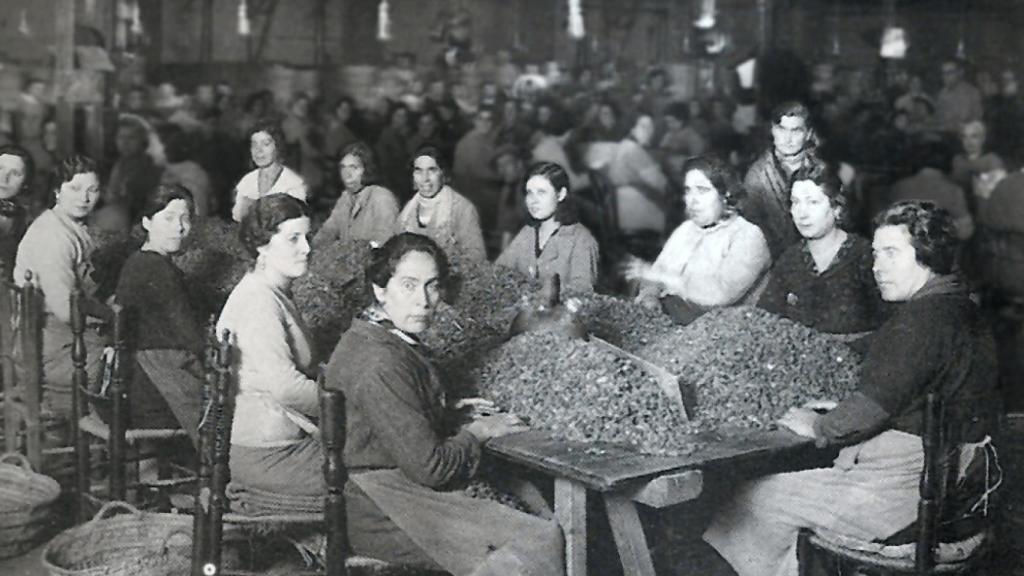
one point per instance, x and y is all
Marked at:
(21, 338)
(210, 511)
(940, 512)
(122, 443)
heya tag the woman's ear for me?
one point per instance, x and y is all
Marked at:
(146, 222)
(378, 293)
(563, 194)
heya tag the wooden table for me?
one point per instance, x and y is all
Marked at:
(624, 478)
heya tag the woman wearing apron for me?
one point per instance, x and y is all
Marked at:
(935, 341)
(406, 456)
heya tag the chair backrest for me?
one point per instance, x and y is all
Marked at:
(948, 425)
(332, 432)
(214, 449)
(21, 338)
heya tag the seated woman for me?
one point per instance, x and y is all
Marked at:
(272, 444)
(439, 212)
(16, 176)
(403, 451)
(712, 259)
(57, 250)
(167, 381)
(271, 176)
(365, 210)
(554, 242)
(935, 341)
(825, 281)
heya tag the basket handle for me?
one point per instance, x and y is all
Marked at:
(19, 458)
(114, 505)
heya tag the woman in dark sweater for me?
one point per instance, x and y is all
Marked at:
(825, 280)
(16, 176)
(167, 380)
(405, 454)
(935, 341)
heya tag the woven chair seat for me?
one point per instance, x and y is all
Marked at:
(950, 557)
(93, 426)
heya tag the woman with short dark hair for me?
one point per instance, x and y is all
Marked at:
(405, 452)
(57, 249)
(935, 342)
(824, 281)
(273, 446)
(17, 171)
(714, 258)
(554, 241)
(365, 211)
(167, 381)
(438, 211)
(267, 148)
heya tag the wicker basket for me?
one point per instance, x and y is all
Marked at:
(26, 505)
(131, 544)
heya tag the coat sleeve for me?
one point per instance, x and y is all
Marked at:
(387, 395)
(385, 214)
(512, 255)
(331, 228)
(471, 238)
(583, 265)
(52, 263)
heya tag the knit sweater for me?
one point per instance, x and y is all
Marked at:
(368, 214)
(57, 250)
(571, 253)
(274, 361)
(714, 266)
(454, 224)
(841, 299)
(154, 288)
(395, 412)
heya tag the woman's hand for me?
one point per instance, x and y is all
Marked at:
(634, 268)
(800, 421)
(821, 406)
(495, 426)
(648, 301)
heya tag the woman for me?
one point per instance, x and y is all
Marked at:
(167, 381)
(57, 250)
(183, 170)
(714, 258)
(935, 341)
(554, 242)
(16, 176)
(365, 210)
(392, 150)
(403, 451)
(439, 212)
(272, 444)
(824, 281)
(976, 170)
(267, 147)
(339, 134)
(641, 188)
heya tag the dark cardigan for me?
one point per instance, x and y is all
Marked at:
(843, 299)
(154, 288)
(395, 410)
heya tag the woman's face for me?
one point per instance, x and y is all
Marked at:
(343, 112)
(412, 293)
(427, 176)
(606, 117)
(704, 204)
(263, 149)
(12, 175)
(77, 197)
(352, 169)
(897, 272)
(541, 197)
(287, 253)
(169, 227)
(790, 135)
(973, 138)
(812, 211)
(399, 118)
(544, 114)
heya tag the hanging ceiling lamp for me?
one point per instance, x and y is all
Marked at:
(706, 19)
(383, 21)
(244, 29)
(576, 30)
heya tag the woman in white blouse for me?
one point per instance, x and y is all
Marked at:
(714, 258)
(271, 176)
(273, 446)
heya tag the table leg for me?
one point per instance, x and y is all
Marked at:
(629, 536)
(571, 513)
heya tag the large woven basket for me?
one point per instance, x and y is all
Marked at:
(26, 505)
(132, 543)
